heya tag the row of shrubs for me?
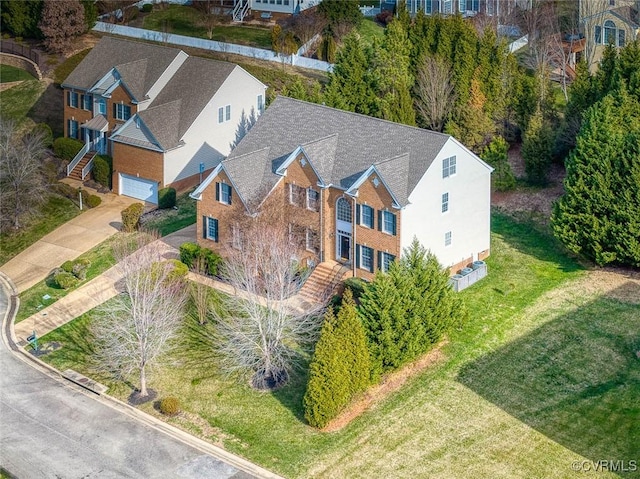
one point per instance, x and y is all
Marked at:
(400, 316)
(200, 259)
(70, 273)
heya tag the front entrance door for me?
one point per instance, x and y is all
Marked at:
(344, 246)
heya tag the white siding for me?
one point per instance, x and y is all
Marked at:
(468, 217)
(272, 5)
(208, 141)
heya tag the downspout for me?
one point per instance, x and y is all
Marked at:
(321, 226)
(353, 247)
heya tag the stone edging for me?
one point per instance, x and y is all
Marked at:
(22, 63)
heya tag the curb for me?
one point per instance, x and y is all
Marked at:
(10, 340)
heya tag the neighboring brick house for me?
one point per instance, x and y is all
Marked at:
(163, 116)
(359, 189)
(608, 22)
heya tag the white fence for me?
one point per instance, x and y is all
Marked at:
(518, 44)
(222, 47)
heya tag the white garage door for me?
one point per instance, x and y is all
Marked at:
(145, 190)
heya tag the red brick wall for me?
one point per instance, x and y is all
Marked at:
(139, 162)
(77, 114)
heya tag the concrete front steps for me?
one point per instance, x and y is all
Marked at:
(323, 282)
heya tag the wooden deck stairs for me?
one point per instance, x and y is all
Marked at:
(324, 281)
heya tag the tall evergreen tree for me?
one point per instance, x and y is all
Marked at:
(393, 78)
(350, 87)
(599, 215)
(340, 367)
(21, 18)
(495, 154)
(537, 149)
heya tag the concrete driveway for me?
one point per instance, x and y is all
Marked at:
(67, 242)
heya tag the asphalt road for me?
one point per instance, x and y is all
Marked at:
(48, 429)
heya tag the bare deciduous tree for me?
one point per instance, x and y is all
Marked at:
(200, 293)
(434, 93)
(262, 332)
(138, 327)
(22, 182)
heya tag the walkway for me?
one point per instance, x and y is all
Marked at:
(66, 242)
(103, 287)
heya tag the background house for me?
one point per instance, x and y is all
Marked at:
(357, 189)
(605, 22)
(163, 116)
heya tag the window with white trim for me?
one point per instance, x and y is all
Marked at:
(449, 167)
(224, 195)
(343, 210)
(388, 222)
(365, 258)
(385, 260)
(72, 99)
(260, 103)
(313, 199)
(87, 102)
(102, 106)
(366, 216)
(227, 113)
(447, 238)
(609, 32)
(445, 202)
(121, 111)
(211, 228)
(297, 195)
(73, 129)
(221, 114)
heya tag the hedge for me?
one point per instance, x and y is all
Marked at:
(102, 171)
(67, 148)
(166, 198)
(192, 254)
(131, 217)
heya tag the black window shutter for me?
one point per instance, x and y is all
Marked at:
(217, 191)
(230, 194)
(357, 213)
(379, 259)
(357, 256)
(204, 227)
(394, 225)
(379, 220)
(215, 224)
(114, 110)
(68, 98)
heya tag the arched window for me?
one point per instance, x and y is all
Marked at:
(609, 32)
(343, 210)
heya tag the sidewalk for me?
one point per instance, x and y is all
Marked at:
(103, 288)
(67, 242)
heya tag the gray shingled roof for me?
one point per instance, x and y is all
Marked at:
(341, 146)
(139, 64)
(183, 98)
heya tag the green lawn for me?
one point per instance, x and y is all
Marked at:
(9, 74)
(183, 20)
(370, 30)
(63, 70)
(56, 211)
(18, 101)
(172, 220)
(542, 375)
(31, 300)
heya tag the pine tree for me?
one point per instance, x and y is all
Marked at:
(340, 367)
(495, 154)
(393, 78)
(537, 148)
(350, 86)
(599, 215)
(21, 18)
(62, 20)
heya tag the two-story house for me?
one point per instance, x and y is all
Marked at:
(608, 22)
(359, 189)
(165, 117)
